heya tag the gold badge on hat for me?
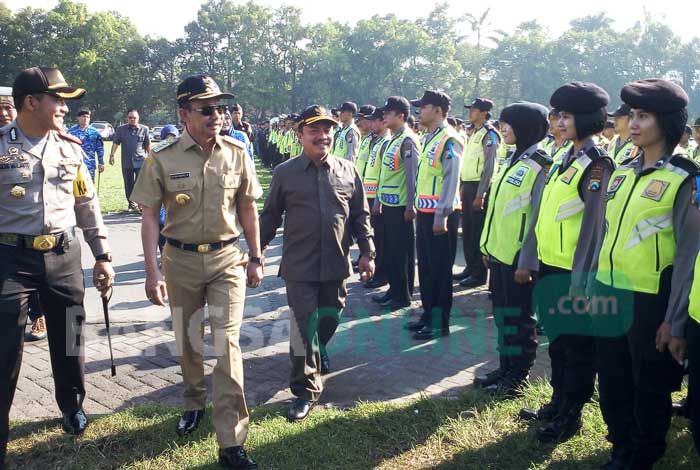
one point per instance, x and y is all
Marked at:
(182, 199)
(18, 192)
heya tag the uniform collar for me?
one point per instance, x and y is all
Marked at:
(188, 142)
(638, 163)
(529, 151)
(330, 161)
(17, 136)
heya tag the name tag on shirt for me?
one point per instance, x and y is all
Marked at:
(179, 176)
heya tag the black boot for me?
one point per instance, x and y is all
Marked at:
(546, 412)
(562, 428)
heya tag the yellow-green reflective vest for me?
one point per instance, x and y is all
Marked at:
(561, 212)
(504, 151)
(392, 178)
(429, 179)
(340, 146)
(554, 152)
(373, 167)
(626, 151)
(363, 154)
(473, 156)
(509, 206)
(639, 242)
(694, 305)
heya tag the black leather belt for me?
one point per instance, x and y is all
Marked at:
(202, 248)
(41, 243)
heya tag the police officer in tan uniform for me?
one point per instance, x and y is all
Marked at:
(208, 186)
(45, 192)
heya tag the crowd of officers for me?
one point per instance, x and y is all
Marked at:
(590, 203)
(543, 196)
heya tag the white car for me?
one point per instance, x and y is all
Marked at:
(155, 133)
(104, 128)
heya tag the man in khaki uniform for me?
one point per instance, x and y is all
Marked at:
(208, 186)
(45, 192)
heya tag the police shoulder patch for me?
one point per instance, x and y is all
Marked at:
(541, 158)
(236, 142)
(163, 144)
(691, 166)
(70, 137)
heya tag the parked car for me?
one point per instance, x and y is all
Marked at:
(104, 128)
(155, 133)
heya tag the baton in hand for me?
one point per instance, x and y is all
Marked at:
(105, 309)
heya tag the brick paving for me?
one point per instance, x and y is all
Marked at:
(372, 358)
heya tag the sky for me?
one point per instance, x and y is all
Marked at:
(167, 18)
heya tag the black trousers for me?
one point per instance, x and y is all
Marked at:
(379, 228)
(512, 311)
(436, 255)
(472, 225)
(636, 381)
(572, 358)
(58, 279)
(130, 176)
(400, 253)
(693, 353)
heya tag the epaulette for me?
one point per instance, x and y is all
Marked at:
(685, 163)
(542, 159)
(71, 137)
(163, 144)
(236, 142)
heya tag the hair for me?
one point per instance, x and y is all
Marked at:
(410, 120)
(588, 124)
(19, 100)
(672, 125)
(132, 110)
(445, 109)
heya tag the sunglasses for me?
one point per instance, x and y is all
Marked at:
(209, 110)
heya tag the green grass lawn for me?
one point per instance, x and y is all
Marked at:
(111, 184)
(472, 432)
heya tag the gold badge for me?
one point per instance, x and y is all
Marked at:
(182, 199)
(18, 192)
(13, 151)
(569, 175)
(655, 190)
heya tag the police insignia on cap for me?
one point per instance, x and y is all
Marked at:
(182, 199)
(18, 192)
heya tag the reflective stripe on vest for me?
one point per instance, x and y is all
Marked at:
(508, 211)
(639, 241)
(429, 179)
(561, 213)
(372, 169)
(392, 179)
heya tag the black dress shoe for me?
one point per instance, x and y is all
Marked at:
(489, 379)
(325, 364)
(392, 304)
(427, 333)
(381, 298)
(509, 386)
(235, 458)
(463, 275)
(562, 428)
(300, 409)
(415, 325)
(75, 423)
(375, 283)
(472, 282)
(188, 422)
(546, 412)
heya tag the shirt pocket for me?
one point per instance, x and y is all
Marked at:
(229, 184)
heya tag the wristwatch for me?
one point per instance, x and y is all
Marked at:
(255, 259)
(104, 257)
(371, 254)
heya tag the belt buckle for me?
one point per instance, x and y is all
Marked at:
(204, 248)
(44, 242)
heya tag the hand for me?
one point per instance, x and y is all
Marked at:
(440, 229)
(376, 209)
(101, 167)
(677, 348)
(366, 268)
(663, 336)
(102, 276)
(155, 288)
(410, 214)
(111, 159)
(478, 203)
(523, 276)
(255, 274)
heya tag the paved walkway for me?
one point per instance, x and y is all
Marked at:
(372, 358)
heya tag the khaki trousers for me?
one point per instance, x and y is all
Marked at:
(218, 280)
(316, 309)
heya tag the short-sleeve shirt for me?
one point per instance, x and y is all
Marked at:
(199, 191)
(134, 141)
